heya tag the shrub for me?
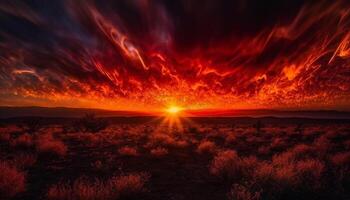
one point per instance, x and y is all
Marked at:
(118, 187)
(264, 150)
(225, 164)
(24, 140)
(159, 152)
(128, 151)
(264, 173)
(89, 123)
(310, 173)
(230, 139)
(24, 160)
(341, 163)
(341, 159)
(322, 145)
(278, 143)
(247, 166)
(162, 139)
(206, 147)
(47, 145)
(295, 167)
(12, 181)
(181, 144)
(131, 184)
(82, 189)
(302, 151)
(241, 192)
(90, 139)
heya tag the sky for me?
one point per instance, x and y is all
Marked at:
(145, 55)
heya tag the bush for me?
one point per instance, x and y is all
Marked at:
(310, 173)
(24, 160)
(128, 151)
(89, 123)
(118, 187)
(47, 145)
(159, 152)
(162, 139)
(241, 192)
(341, 159)
(24, 140)
(206, 147)
(227, 164)
(131, 184)
(82, 189)
(12, 181)
(224, 164)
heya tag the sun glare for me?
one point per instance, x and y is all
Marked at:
(173, 116)
(173, 110)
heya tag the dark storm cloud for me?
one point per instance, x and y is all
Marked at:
(271, 52)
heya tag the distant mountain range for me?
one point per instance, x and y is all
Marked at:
(62, 112)
(11, 112)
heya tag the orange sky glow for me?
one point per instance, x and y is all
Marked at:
(148, 56)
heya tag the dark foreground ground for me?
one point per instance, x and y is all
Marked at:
(158, 159)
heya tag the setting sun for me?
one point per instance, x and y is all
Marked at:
(173, 109)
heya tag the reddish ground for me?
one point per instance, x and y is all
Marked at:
(210, 158)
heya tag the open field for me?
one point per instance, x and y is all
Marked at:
(204, 158)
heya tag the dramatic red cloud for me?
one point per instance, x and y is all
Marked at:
(147, 55)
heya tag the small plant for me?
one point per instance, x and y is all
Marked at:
(24, 140)
(241, 192)
(206, 147)
(128, 151)
(47, 145)
(23, 160)
(130, 185)
(118, 187)
(159, 152)
(12, 181)
(81, 189)
(225, 164)
(89, 123)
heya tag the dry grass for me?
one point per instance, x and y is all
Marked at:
(277, 163)
(24, 140)
(81, 189)
(224, 164)
(227, 164)
(131, 184)
(24, 160)
(159, 152)
(128, 151)
(119, 187)
(241, 192)
(163, 139)
(12, 180)
(206, 147)
(47, 145)
(341, 159)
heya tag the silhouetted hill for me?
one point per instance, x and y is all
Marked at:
(11, 112)
(62, 112)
